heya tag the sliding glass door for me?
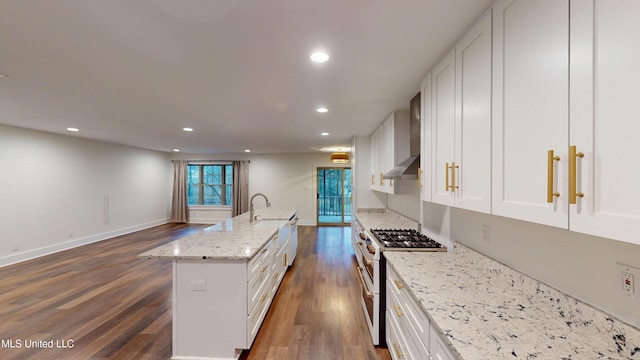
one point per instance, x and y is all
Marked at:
(334, 196)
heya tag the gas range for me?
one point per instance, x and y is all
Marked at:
(405, 239)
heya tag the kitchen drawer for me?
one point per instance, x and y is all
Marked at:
(257, 285)
(256, 263)
(411, 307)
(279, 266)
(439, 349)
(399, 347)
(254, 320)
(409, 339)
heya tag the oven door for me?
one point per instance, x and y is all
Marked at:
(370, 305)
(370, 265)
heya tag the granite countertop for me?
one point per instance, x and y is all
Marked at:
(233, 239)
(487, 310)
(384, 219)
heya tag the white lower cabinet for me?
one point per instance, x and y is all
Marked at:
(219, 306)
(409, 332)
(439, 350)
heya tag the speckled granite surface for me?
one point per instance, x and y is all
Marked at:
(384, 219)
(233, 239)
(487, 310)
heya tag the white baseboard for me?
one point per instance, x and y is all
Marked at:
(206, 221)
(32, 254)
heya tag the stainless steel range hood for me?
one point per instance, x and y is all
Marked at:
(408, 168)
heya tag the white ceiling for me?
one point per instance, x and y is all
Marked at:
(136, 72)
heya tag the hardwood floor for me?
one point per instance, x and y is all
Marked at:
(316, 313)
(100, 302)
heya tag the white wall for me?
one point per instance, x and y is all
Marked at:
(288, 180)
(53, 189)
(582, 266)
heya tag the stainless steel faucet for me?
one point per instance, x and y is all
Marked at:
(251, 209)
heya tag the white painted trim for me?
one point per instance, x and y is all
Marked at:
(32, 254)
(206, 221)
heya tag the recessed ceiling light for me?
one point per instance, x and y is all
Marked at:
(73, 129)
(322, 109)
(319, 57)
(247, 150)
(176, 150)
(324, 134)
(188, 129)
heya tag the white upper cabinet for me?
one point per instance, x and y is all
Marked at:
(531, 110)
(424, 180)
(605, 47)
(472, 188)
(461, 122)
(443, 128)
(389, 146)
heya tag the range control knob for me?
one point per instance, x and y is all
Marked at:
(371, 249)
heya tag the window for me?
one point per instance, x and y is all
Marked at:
(210, 184)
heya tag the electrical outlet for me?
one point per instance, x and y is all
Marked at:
(486, 234)
(198, 286)
(627, 282)
(627, 275)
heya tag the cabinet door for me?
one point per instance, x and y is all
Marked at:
(604, 125)
(424, 181)
(374, 140)
(389, 150)
(473, 119)
(530, 109)
(442, 128)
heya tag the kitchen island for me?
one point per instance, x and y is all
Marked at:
(486, 310)
(224, 278)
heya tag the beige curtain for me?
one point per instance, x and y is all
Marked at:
(240, 187)
(180, 201)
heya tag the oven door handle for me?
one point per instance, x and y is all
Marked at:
(366, 259)
(368, 294)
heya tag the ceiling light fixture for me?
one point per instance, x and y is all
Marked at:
(324, 134)
(247, 150)
(72, 129)
(322, 109)
(340, 158)
(187, 129)
(319, 57)
(176, 150)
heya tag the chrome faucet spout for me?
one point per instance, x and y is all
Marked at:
(251, 208)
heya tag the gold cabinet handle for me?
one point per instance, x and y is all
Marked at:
(573, 169)
(398, 310)
(447, 176)
(381, 179)
(399, 284)
(263, 297)
(419, 180)
(263, 268)
(451, 185)
(398, 350)
(453, 176)
(550, 159)
(373, 179)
